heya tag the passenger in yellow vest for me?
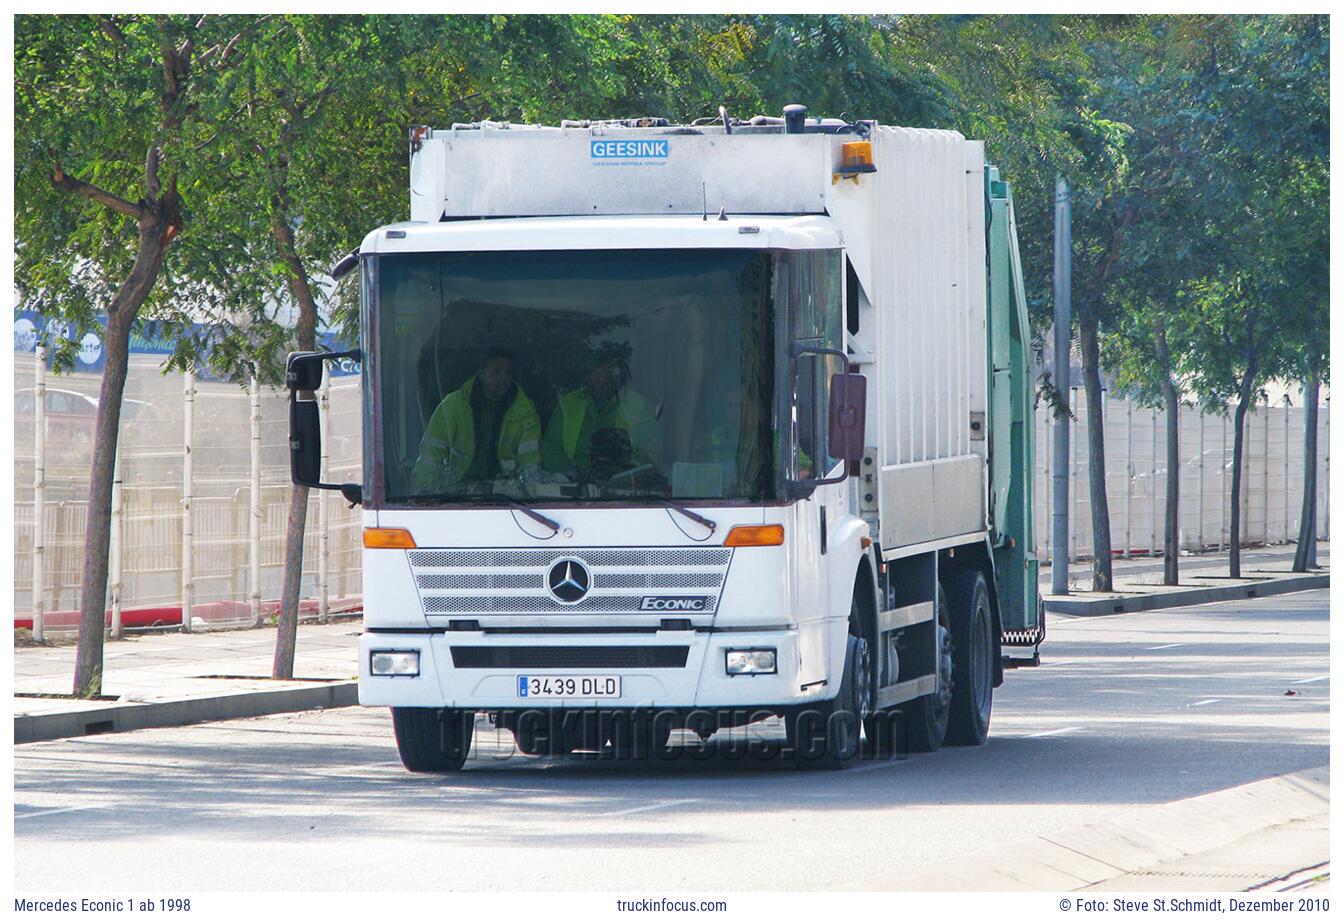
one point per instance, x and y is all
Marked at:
(484, 430)
(601, 428)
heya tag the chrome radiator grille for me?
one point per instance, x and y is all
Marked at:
(470, 582)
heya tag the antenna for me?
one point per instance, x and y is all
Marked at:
(704, 202)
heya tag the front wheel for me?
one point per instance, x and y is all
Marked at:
(433, 740)
(827, 736)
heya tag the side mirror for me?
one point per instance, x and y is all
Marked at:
(848, 413)
(303, 375)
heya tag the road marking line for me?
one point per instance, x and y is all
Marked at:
(1158, 648)
(1055, 731)
(657, 805)
(57, 811)
(1312, 680)
(1205, 702)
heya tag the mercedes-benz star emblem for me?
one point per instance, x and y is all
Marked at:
(568, 580)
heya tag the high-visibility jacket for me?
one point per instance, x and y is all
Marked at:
(627, 411)
(449, 442)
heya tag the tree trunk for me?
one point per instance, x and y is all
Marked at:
(156, 228)
(1246, 391)
(288, 625)
(305, 337)
(1305, 557)
(1171, 531)
(1096, 457)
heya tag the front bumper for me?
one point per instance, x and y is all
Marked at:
(701, 683)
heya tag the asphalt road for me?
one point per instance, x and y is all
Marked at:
(1136, 709)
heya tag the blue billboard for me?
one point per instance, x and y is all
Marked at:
(147, 338)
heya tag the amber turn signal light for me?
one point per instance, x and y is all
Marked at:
(388, 538)
(755, 535)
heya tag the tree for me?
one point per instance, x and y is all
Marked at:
(1306, 267)
(1261, 75)
(286, 151)
(107, 109)
(1148, 84)
(1144, 364)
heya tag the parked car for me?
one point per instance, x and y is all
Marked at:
(71, 415)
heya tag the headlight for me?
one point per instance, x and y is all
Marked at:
(395, 664)
(750, 661)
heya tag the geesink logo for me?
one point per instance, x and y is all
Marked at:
(629, 150)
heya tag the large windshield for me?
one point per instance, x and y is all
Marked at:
(612, 375)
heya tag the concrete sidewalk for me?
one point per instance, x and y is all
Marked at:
(1138, 582)
(1271, 835)
(158, 679)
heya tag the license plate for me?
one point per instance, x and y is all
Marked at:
(561, 686)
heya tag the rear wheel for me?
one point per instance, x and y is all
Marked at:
(972, 659)
(433, 740)
(827, 736)
(924, 720)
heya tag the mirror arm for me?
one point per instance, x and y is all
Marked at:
(803, 488)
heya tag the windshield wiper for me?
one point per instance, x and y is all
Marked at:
(699, 519)
(467, 497)
(534, 515)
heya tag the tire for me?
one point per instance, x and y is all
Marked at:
(828, 736)
(972, 659)
(881, 734)
(433, 740)
(923, 722)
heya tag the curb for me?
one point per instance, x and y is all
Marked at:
(125, 717)
(1104, 606)
(1142, 839)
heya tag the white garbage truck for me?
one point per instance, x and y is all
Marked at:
(684, 427)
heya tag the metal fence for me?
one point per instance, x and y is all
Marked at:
(199, 514)
(1136, 477)
(200, 509)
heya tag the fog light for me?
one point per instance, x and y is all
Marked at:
(395, 664)
(750, 661)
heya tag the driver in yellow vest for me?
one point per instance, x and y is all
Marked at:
(602, 427)
(486, 429)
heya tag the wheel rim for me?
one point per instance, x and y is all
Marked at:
(945, 675)
(863, 680)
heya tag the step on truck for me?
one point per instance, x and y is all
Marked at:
(683, 427)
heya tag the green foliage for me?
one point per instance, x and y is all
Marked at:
(93, 96)
(1196, 146)
(1211, 228)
